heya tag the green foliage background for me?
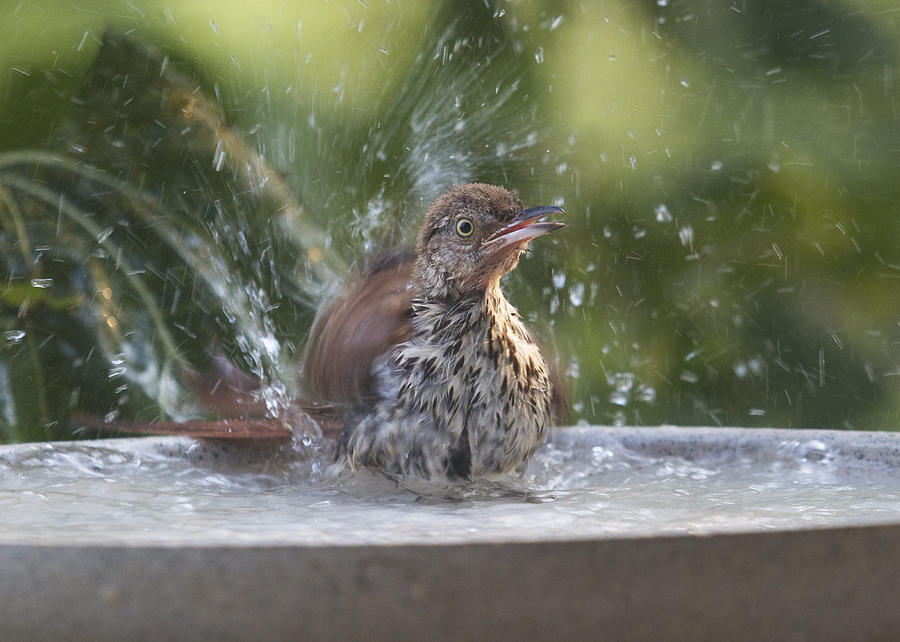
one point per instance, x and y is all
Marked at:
(729, 172)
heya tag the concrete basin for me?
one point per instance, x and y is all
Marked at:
(619, 533)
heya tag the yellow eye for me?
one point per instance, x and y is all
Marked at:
(465, 227)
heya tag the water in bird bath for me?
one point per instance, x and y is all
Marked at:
(585, 483)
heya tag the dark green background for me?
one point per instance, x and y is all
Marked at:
(730, 176)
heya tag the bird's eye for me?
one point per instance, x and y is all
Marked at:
(465, 227)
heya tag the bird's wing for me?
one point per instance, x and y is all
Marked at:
(361, 325)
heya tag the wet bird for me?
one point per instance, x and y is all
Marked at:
(441, 378)
(423, 368)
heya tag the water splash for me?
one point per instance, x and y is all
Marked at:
(593, 482)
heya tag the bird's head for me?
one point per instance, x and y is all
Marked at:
(472, 235)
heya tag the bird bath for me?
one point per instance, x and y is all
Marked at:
(686, 530)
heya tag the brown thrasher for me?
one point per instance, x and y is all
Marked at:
(423, 368)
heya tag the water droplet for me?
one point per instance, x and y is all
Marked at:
(554, 305)
(576, 294)
(716, 166)
(870, 372)
(814, 451)
(559, 279)
(755, 365)
(104, 234)
(646, 394)
(663, 215)
(662, 3)
(622, 381)
(539, 55)
(686, 235)
(219, 156)
(685, 83)
(618, 398)
(270, 344)
(41, 283)
(13, 337)
(561, 169)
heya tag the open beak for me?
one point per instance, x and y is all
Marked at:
(525, 226)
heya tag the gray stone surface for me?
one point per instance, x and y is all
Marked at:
(828, 585)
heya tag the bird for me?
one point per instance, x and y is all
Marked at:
(422, 368)
(440, 376)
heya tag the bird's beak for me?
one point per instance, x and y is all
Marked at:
(525, 226)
